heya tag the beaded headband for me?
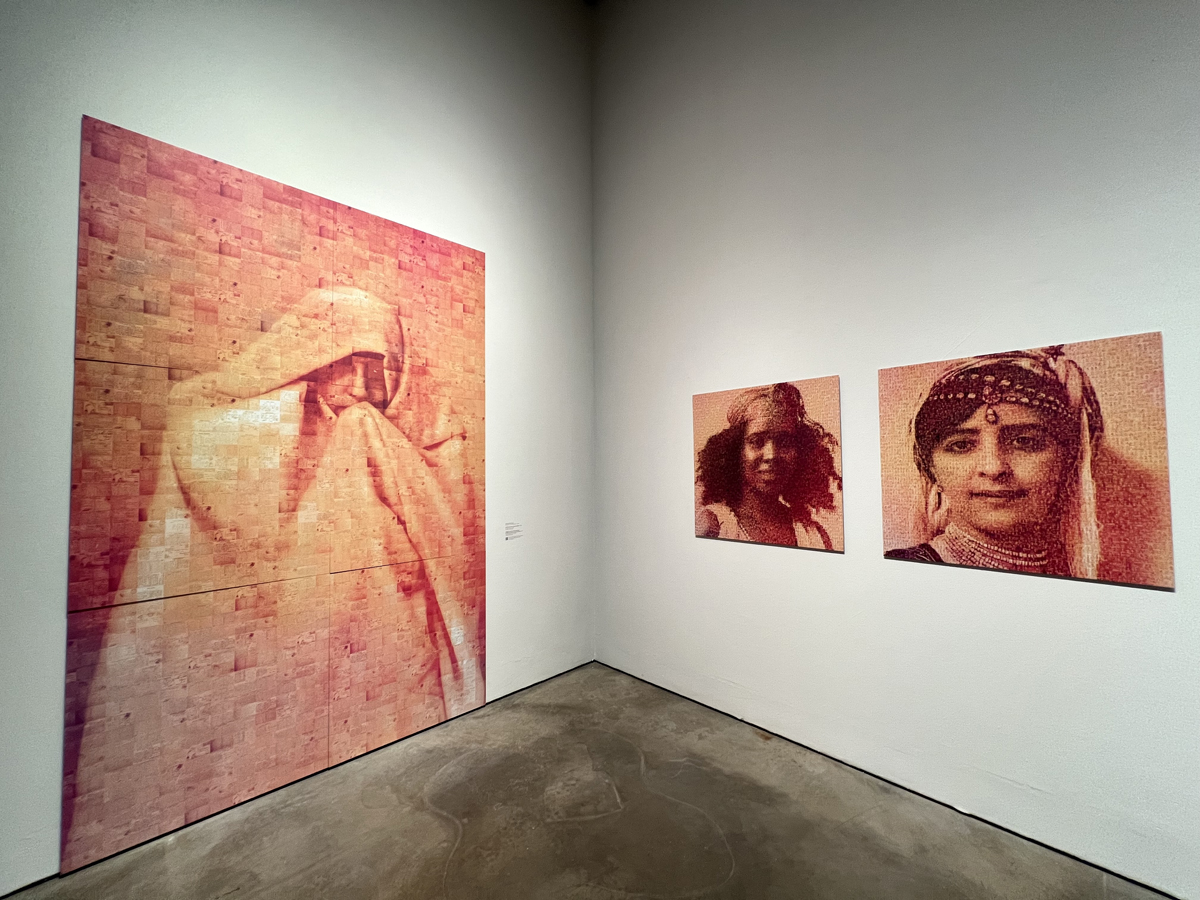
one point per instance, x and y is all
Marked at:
(1043, 379)
(990, 389)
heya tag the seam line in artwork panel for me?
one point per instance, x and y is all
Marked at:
(232, 587)
(236, 587)
(389, 565)
(118, 362)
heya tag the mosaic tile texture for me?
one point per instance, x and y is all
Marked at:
(1050, 461)
(277, 517)
(768, 464)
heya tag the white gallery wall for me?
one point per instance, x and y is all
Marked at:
(787, 190)
(781, 190)
(468, 119)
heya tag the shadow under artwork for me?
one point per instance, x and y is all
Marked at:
(768, 464)
(1050, 461)
(277, 510)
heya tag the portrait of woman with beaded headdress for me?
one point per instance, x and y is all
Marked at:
(1049, 461)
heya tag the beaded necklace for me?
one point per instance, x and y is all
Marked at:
(967, 550)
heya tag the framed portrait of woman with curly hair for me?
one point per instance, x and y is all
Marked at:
(1050, 461)
(768, 464)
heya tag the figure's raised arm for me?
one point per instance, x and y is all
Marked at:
(326, 325)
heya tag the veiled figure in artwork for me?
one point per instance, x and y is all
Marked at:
(304, 545)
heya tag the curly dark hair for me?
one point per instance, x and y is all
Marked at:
(811, 487)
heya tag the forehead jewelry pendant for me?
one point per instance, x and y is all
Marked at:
(990, 416)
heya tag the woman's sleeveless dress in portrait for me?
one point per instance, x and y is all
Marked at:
(810, 534)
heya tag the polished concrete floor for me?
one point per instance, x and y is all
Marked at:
(590, 786)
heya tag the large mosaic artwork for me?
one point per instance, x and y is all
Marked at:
(1050, 461)
(277, 519)
(768, 464)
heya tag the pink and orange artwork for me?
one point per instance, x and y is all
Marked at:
(1051, 461)
(277, 510)
(768, 464)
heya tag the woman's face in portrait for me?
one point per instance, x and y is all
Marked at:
(770, 451)
(1000, 478)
